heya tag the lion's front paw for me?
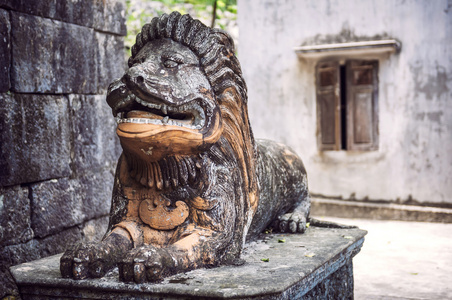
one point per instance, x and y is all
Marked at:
(146, 264)
(86, 260)
(291, 222)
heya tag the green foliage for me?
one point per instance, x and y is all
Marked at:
(140, 12)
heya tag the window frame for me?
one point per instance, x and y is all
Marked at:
(361, 99)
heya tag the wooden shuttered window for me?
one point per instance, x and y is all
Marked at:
(362, 108)
(328, 106)
(347, 105)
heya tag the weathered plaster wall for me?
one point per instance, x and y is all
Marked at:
(58, 148)
(414, 159)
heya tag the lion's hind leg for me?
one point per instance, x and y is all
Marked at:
(294, 221)
(284, 201)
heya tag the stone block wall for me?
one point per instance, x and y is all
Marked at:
(58, 148)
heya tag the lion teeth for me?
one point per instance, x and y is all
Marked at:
(164, 121)
(196, 121)
(147, 104)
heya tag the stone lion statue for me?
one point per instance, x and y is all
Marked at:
(192, 185)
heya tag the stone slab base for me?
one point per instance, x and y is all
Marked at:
(379, 211)
(314, 265)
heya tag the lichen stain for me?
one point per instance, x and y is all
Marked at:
(148, 152)
(434, 86)
(434, 116)
(346, 35)
(449, 6)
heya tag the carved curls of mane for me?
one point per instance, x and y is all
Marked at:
(215, 50)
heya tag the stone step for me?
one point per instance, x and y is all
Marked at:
(379, 211)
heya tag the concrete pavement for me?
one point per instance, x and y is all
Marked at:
(402, 260)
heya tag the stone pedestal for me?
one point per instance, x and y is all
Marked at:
(315, 265)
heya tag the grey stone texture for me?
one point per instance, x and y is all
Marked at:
(58, 147)
(5, 50)
(51, 56)
(33, 249)
(95, 229)
(35, 135)
(36, 248)
(15, 221)
(110, 51)
(111, 17)
(57, 204)
(62, 10)
(7, 282)
(93, 149)
(97, 189)
(314, 265)
(339, 285)
(63, 203)
(11, 255)
(107, 16)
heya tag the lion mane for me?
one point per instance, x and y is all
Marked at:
(215, 50)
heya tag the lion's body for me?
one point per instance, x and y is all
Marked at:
(283, 187)
(192, 183)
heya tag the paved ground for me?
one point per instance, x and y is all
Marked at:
(402, 260)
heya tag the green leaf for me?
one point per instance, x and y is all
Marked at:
(265, 259)
(232, 9)
(221, 4)
(307, 225)
(281, 240)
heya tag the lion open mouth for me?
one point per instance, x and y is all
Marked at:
(135, 110)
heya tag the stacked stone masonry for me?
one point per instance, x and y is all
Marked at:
(58, 148)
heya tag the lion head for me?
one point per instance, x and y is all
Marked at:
(183, 91)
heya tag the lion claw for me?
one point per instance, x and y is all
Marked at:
(291, 222)
(144, 264)
(85, 260)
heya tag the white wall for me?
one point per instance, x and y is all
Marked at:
(414, 159)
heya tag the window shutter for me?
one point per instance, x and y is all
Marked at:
(328, 106)
(362, 108)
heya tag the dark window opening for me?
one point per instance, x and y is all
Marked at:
(343, 96)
